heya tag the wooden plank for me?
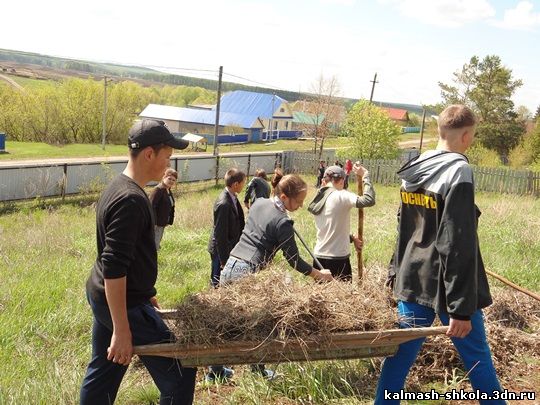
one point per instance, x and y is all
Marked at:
(336, 346)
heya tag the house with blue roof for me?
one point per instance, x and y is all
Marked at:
(274, 112)
(233, 128)
(244, 117)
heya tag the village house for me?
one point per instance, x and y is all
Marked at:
(244, 117)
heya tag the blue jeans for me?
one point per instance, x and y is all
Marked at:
(103, 377)
(473, 349)
(234, 270)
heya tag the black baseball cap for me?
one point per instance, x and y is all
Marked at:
(153, 132)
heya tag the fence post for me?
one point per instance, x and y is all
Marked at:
(64, 182)
(277, 161)
(217, 169)
(530, 183)
(248, 165)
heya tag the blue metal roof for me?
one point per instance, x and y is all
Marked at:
(198, 116)
(249, 103)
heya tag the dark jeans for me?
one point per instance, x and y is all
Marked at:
(103, 377)
(340, 268)
(216, 270)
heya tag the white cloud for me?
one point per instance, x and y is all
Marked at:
(522, 17)
(339, 2)
(445, 13)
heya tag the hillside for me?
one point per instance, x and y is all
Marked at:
(43, 67)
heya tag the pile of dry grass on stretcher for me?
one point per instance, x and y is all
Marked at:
(269, 305)
(272, 305)
(513, 330)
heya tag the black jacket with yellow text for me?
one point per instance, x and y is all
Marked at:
(437, 262)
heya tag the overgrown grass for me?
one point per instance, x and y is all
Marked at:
(47, 250)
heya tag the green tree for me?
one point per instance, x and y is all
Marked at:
(82, 109)
(487, 87)
(374, 134)
(537, 114)
(125, 101)
(11, 107)
(532, 143)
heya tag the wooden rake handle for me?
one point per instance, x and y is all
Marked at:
(514, 286)
(360, 192)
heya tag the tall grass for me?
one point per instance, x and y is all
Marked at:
(46, 254)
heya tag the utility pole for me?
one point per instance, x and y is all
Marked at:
(422, 129)
(373, 87)
(216, 128)
(272, 118)
(104, 118)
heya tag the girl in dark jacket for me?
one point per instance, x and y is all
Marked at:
(268, 229)
(163, 203)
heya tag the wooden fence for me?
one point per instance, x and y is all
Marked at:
(498, 180)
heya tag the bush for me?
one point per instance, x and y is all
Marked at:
(479, 155)
(527, 153)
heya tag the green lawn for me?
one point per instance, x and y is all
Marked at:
(40, 150)
(47, 249)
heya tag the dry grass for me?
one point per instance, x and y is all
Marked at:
(271, 304)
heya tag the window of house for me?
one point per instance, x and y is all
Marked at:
(286, 125)
(282, 109)
(276, 125)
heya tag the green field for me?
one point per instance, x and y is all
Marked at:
(29, 83)
(47, 249)
(40, 150)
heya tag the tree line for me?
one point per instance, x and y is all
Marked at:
(108, 69)
(71, 111)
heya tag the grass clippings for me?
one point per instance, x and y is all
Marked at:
(272, 305)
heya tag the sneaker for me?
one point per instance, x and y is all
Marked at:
(268, 374)
(264, 372)
(220, 375)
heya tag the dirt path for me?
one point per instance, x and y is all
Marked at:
(12, 82)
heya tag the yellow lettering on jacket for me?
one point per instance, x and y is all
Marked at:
(418, 199)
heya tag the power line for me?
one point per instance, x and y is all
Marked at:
(256, 82)
(180, 68)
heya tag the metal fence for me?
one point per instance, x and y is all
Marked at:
(60, 179)
(54, 180)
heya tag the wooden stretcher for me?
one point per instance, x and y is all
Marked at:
(334, 347)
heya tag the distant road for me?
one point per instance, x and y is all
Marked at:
(98, 159)
(416, 142)
(12, 82)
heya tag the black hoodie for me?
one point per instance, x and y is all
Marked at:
(437, 262)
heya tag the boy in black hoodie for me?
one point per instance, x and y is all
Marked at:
(437, 267)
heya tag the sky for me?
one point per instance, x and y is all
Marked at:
(287, 44)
